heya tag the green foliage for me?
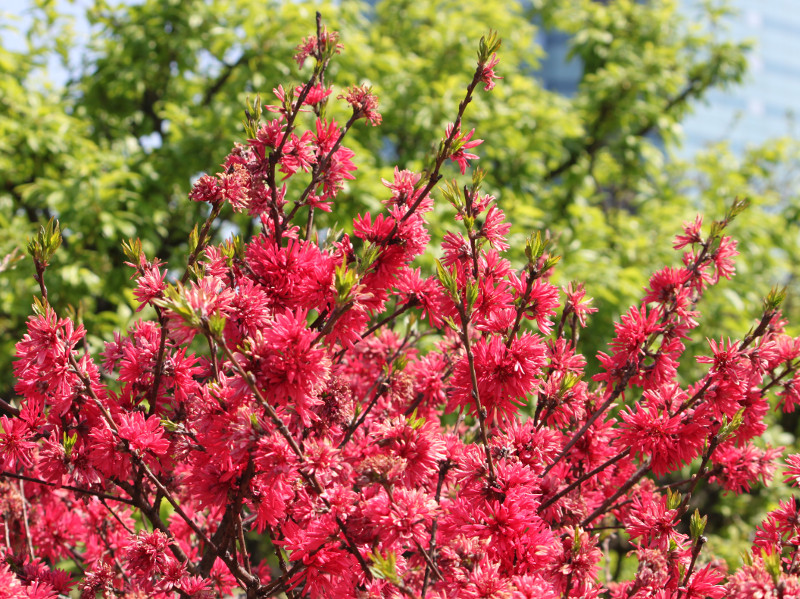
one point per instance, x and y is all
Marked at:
(158, 98)
(159, 93)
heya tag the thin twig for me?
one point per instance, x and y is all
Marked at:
(98, 494)
(634, 478)
(28, 538)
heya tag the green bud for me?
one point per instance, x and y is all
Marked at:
(400, 362)
(772, 564)
(132, 250)
(366, 258)
(450, 322)
(452, 194)
(45, 244)
(469, 223)
(550, 262)
(40, 308)
(414, 421)
(774, 299)
(673, 499)
(568, 382)
(488, 46)
(716, 229)
(216, 325)
(52, 236)
(478, 174)
(69, 443)
(447, 279)
(697, 525)
(344, 280)
(472, 295)
(175, 300)
(194, 239)
(576, 541)
(535, 247)
(729, 428)
(254, 422)
(739, 205)
(384, 568)
(252, 115)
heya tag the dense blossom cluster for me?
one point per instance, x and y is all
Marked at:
(278, 428)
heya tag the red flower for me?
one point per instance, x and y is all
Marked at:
(364, 104)
(742, 467)
(461, 143)
(577, 302)
(148, 552)
(505, 375)
(792, 473)
(288, 366)
(14, 446)
(669, 441)
(143, 435)
(310, 45)
(691, 234)
(487, 73)
(315, 95)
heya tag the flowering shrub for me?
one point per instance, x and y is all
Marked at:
(278, 427)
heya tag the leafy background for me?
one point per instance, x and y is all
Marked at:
(157, 100)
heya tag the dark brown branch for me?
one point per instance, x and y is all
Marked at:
(597, 143)
(98, 494)
(223, 78)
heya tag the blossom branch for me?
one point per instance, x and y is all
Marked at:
(309, 476)
(481, 411)
(82, 491)
(24, 502)
(617, 391)
(319, 168)
(580, 480)
(152, 514)
(624, 488)
(8, 408)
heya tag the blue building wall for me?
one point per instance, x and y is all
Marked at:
(764, 106)
(767, 103)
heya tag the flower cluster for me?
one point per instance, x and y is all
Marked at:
(326, 420)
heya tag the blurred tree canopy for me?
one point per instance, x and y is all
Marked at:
(157, 100)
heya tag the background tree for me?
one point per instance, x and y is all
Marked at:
(160, 89)
(158, 95)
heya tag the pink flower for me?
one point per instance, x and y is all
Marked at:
(206, 189)
(14, 446)
(310, 45)
(723, 257)
(288, 366)
(296, 276)
(150, 285)
(704, 584)
(148, 552)
(577, 301)
(742, 467)
(651, 521)
(494, 229)
(315, 95)
(668, 441)
(505, 375)
(460, 145)
(298, 154)
(792, 473)
(487, 73)
(364, 104)
(143, 435)
(691, 234)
